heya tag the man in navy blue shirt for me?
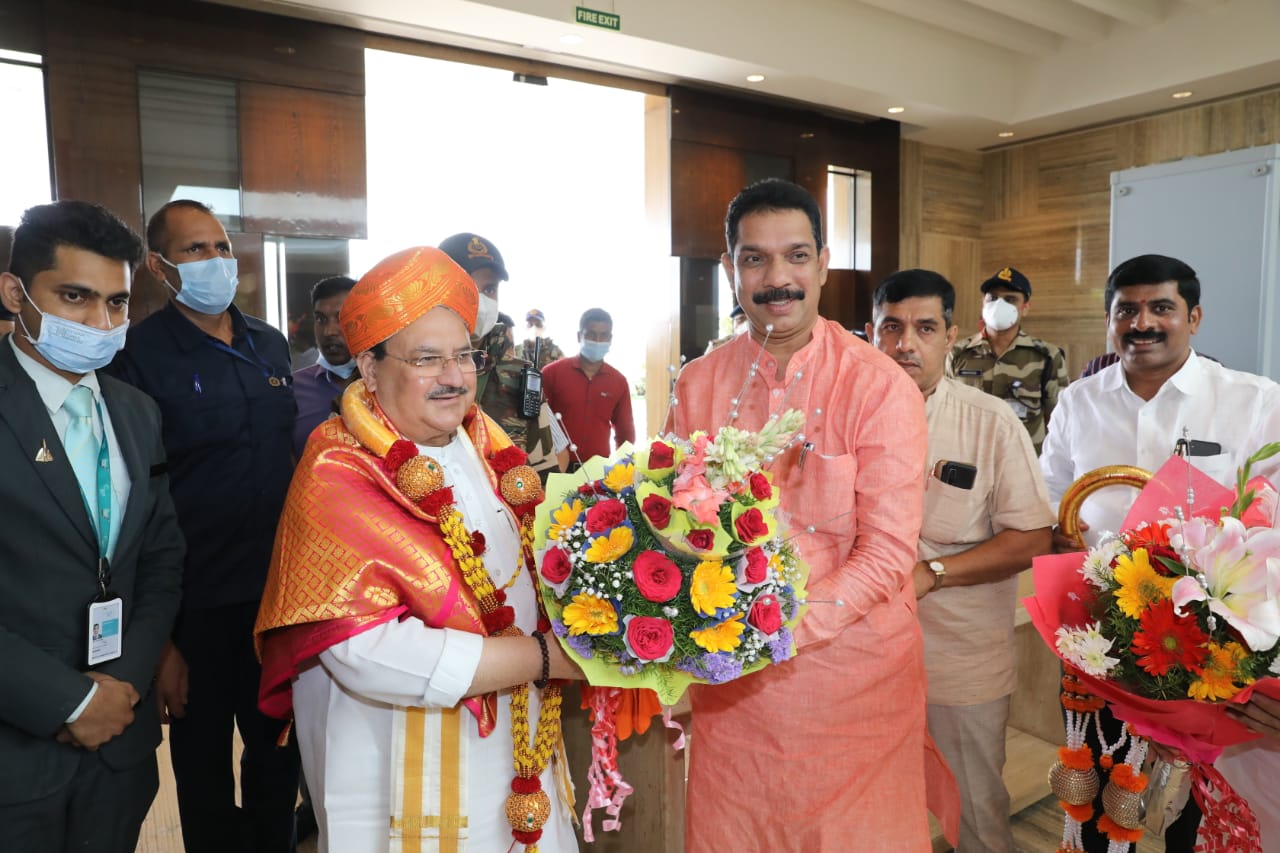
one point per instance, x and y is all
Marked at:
(222, 381)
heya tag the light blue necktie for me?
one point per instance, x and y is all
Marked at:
(90, 461)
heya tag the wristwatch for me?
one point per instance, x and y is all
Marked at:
(939, 572)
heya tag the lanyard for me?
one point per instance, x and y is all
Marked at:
(102, 521)
(263, 367)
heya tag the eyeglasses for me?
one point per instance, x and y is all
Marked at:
(468, 361)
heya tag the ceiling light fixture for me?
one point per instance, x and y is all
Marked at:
(1005, 134)
(1183, 94)
(571, 39)
(755, 78)
(896, 110)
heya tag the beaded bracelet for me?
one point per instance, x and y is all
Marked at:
(546, 661)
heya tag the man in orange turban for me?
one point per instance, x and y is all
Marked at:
(400, 624)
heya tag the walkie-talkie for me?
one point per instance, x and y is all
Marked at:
(531, 384)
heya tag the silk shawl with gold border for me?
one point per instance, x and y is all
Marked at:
(352, 552)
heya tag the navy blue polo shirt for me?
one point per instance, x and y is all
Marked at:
(227, 415)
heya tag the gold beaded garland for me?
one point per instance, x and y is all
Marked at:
(528, 812)
(418, 477)
(1072, 786)
(520, 485)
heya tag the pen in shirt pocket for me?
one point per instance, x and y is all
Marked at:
(195, 384)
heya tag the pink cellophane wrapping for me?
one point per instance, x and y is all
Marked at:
(1200, 730)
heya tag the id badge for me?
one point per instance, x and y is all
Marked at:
(1019, 408)
(104, 630)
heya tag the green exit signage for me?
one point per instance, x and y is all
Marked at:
(596, 18)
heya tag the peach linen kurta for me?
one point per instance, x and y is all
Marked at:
(826, 751)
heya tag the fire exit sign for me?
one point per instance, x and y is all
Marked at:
(596, 18)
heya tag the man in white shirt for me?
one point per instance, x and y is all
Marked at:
(986, 515)
(1136, 411)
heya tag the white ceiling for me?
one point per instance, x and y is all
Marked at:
(964, 70)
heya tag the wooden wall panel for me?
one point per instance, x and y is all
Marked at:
(959, 259)
(703, 180)
(1048, 205)
(302, 156)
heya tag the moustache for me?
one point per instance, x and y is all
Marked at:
(774, 294)
(1142, 337)
(446, 391)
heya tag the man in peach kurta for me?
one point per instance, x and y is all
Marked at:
(828, 751)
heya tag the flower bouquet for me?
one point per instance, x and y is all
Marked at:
(1167, 621)
(668, 566)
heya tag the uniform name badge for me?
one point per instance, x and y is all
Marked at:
(1019, 408)
(104, 630)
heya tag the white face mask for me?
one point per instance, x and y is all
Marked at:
(999, 315)
(487, 316)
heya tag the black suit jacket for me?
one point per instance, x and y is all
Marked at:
(48, 576)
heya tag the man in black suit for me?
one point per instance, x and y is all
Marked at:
(88, 534)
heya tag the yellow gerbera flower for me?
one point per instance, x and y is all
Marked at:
(620, 476)
(587, 614)
(563, 518)
(606, 549)
(724, 637)
(1140, 584)
(712, 587)
(1221, 676)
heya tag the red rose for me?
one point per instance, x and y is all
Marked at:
(661, 455)
(766, 614)
(556, 566)
(700, 540)
(477, 543)
(605, 516)
(750, 526)
(657, 509)
(649, 637)
(761, 489)
(657, 578)
(757, 563)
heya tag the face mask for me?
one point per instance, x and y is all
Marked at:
(594, 350)
(487, 316)
(344, 370)
(74, 347)
(208, 286)
(999, 315)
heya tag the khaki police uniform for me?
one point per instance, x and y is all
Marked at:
(1028, 376)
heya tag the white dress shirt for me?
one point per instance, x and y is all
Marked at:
(1100, 421)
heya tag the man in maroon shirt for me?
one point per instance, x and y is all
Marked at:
(590, 396)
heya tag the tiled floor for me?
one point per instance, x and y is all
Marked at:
(1037, 826)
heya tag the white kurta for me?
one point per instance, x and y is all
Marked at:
(343, 700)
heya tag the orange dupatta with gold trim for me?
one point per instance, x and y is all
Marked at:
(352, 552)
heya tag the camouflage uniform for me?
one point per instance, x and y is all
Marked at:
(1028, 376)
(549, 352)
(498, 393)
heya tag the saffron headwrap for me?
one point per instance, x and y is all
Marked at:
(399, 290)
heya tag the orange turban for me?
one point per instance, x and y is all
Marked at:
(402, 288)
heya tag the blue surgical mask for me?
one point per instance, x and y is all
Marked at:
(71, 346)
(208, 286)
(344, 370)
(594, 350)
